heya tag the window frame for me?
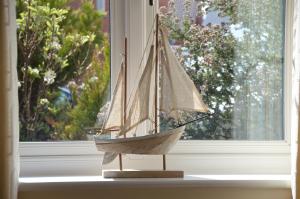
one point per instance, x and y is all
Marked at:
(193, 156)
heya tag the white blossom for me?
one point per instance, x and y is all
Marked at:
(72, 84)
(56, 45)
(219, 88)
(49, 77)
(82, 86)
(93, 79)
(44, 101)
(34, 72)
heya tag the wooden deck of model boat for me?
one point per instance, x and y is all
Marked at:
(159, 143)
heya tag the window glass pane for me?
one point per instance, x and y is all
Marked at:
(234, 52)
(63, 67)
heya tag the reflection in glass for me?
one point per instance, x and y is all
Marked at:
(234, 52)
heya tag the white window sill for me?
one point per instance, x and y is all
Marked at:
(262, 181)
(197, 186)
(194, 157)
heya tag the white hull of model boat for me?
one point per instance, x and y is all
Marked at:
(159, 143)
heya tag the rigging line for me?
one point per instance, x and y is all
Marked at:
(142, 59)
(199, 118)
(191, 121)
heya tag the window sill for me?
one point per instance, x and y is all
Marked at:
(214, 186)
(262, 181)
(194, 157)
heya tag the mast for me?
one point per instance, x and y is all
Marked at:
(156, 86)
(125, 98)
(156, 78)
(125, 84)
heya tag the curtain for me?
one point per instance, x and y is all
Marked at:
(9, 135)
(295, 134)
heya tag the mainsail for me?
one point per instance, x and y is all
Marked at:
(178, 92)
(142, 106)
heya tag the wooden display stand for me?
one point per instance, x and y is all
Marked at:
(142, 174)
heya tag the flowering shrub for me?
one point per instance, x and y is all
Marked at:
(56, 47)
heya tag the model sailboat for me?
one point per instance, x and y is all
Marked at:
(163, 86)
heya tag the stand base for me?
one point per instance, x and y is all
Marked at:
(142, 174)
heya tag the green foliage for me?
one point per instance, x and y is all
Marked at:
(52, 52)
(85, 21)
(90, 99)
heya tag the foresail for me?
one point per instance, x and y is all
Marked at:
(178, 92)
(142, 106)
(114, 121)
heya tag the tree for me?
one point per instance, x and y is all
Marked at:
(240, 76)
(90, 99)
(52, 53)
